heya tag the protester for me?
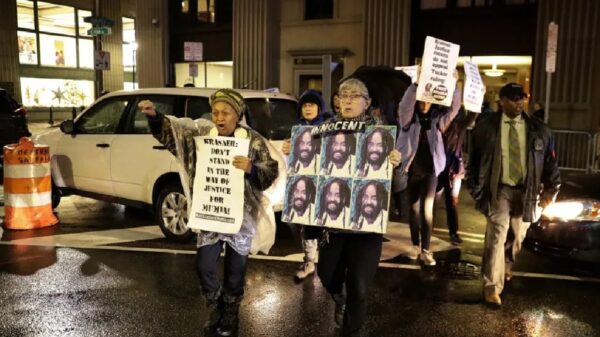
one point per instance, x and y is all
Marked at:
(335, 103)
(450, 179)
(310, 111)
(506, 187)
(423, 159)
(538, 111)
(351, 258)
(260, 172)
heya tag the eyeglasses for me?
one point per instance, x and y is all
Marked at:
(352, 98)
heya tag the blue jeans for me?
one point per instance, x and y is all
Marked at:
(207, 262)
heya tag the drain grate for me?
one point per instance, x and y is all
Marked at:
(462, 270)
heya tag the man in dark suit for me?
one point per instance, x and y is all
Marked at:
(512, 173)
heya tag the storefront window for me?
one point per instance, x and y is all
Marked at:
(83, 26)
(56, 92)
(25, 17)
(86, 53)
(58, 51)
(27, 47)
(56, 18)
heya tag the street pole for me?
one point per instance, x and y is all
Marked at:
(133, 52)
(97, 48)
(547, 102)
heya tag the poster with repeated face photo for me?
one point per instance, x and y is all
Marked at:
(370, 204)
(305, 150)
(350, 189)
(299, 203)
(374, 147)
(333, 202)
(338, 157)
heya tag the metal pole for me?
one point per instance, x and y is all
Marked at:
(547, 103)
(326, 80)
(98, 47)
(205, 76)
(133, 65)
(51, 121)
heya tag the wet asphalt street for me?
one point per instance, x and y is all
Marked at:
(105, 270)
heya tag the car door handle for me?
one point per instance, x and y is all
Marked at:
(102, 145)
(159, 147)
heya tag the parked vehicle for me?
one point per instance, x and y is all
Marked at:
(13, 121)
(570, 228)
(108, 153)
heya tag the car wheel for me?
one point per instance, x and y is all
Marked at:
(171, 213)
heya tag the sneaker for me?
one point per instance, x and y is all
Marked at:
(427, 258)
(413, 252)
(455, 239)
(305, 270)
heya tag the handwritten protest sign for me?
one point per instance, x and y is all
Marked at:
(474, 89)
(218, 186)
(411, 71)
(437, 82)
(349, 188)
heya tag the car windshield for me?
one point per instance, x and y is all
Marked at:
(272, 118)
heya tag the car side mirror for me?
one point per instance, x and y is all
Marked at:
(67, 127)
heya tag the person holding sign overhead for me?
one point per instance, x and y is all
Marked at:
(306, 161)
(260, 170)
(423, 159)
(349, 259)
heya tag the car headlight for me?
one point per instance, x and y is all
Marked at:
(582, 210)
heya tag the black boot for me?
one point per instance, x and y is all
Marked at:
(340, 308)
(214, 304)
(228, 325)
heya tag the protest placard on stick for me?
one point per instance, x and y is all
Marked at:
(474, 89)
(437, 81)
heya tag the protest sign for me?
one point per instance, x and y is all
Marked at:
(350, 187)
(218, 185)
(474, 89)
(411, 71)
(437, 81)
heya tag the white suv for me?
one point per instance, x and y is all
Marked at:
(108, 153)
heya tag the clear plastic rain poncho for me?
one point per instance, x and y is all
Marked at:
(258, 227)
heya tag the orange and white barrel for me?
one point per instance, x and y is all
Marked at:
(27, 186)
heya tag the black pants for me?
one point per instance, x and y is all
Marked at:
(451, 212)
(421, 195)
(351, 259)
(207, 260)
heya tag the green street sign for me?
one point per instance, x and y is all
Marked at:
(99, 31)
(99, 21)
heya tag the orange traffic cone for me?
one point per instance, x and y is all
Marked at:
(27, 186)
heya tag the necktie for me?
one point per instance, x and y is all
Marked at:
(515, 171)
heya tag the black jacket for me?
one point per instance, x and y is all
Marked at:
(542, 180)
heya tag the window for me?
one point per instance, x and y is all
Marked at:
(56, 18)
(53, 40)
(83, 26)
(27, 47)
(56, 92)
(197, 107)
(86, 53)
(272, 118)
(129, 51)
(185, 6)
(318, 9)
(206, 11)
(58, 51)
(164, 104)
(25, 17)
(104, 118)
